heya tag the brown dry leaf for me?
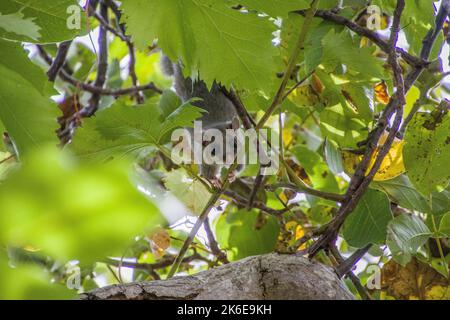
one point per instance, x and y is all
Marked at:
(381, 92)
(350, 101)
(316, 84)
(416, 280)
(299, 171)
(159, 242)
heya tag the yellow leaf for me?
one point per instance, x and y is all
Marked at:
(304, 96)
(287, 136)
(391, 167)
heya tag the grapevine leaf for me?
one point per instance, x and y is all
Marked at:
(209, 36)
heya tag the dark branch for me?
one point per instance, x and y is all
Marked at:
(373, 36)
(310, 191)
(353, 278)
(360, 182)
(345, 266)
(92, 88)
(102, 65)
(213, 245)
(242, 201)
(59, 61)
(150, 267)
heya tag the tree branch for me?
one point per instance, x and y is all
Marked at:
(59, 61)
(267, 277)
(102, 65)
(242, 201)
(372, 35)
(213, 245)
(94, 89)
(360, 182)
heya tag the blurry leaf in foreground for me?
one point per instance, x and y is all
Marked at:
(72, 211)
(28, 283)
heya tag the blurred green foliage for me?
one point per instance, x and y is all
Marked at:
(71, 210)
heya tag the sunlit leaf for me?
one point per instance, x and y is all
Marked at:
(427, 151)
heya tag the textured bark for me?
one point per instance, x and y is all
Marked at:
(272, 277)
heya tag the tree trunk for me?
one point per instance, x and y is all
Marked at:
(272, 277)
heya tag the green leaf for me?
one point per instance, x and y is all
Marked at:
(2, 143)
(70, 211)
(236, 232)
(14, 57)
(26, 111)
(275, 8)
(368, 222)
(191, 192)
(427, 151)
(406, 234)
(49, 17)
(333, 157)
(342, 49)
(319, 173)
(16, 23)
(444, 226)
(122, 130)
(360, 94)
(342, 127)
(402, 192)
(418, 16)
(209, 36)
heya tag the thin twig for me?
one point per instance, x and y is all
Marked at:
(242, 201)
(307, 190)
(92, 88)
(291, 64)
(7, 158)
(213, 245)
(102, 67)
(201, 219)
(163, 263)
(346, 266)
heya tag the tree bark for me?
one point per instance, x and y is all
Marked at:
(268, 277)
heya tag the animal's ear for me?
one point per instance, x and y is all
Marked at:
(235, 123)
